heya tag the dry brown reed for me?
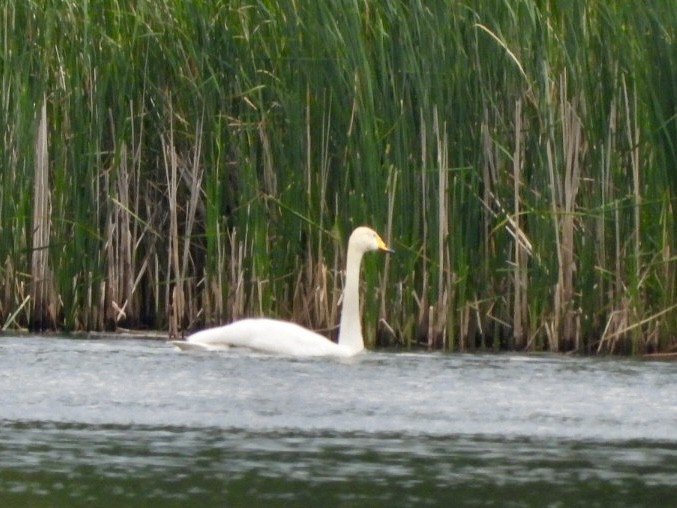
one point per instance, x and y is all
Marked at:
(44, 303)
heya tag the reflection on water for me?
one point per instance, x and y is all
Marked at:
(70, 464)
(135, 423)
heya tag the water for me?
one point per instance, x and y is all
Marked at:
(113, 422)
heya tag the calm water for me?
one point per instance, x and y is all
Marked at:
(112, 422)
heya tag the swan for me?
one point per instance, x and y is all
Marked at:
(285, 338)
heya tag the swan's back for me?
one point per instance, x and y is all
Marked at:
(267, 335)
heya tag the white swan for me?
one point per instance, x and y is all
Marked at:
(282, 337)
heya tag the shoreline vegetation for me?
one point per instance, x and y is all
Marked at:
(175, 165)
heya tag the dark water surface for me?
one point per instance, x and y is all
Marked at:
(113, 422)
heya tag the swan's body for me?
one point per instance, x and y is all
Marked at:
(267, 335)
(282, 337)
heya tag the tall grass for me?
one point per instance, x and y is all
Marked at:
(180, 164)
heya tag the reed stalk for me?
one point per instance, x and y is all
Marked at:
(520, 276)
(44, 312)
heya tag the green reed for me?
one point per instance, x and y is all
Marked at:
(207, 161)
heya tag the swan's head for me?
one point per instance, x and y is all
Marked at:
(366, 239)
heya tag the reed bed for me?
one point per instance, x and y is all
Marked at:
(173, 165)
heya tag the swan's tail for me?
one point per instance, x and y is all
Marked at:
(184, 345)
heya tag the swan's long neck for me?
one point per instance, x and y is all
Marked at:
(350, 331)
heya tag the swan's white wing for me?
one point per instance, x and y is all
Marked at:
(268, 335)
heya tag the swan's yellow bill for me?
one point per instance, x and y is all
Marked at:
(382, 246)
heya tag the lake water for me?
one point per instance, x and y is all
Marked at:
(117, 422)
